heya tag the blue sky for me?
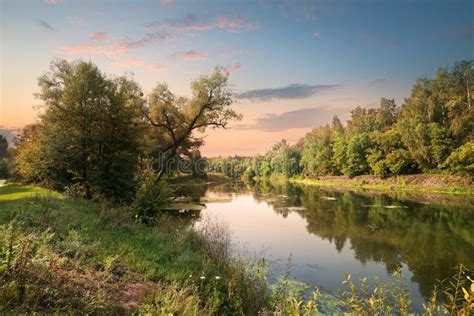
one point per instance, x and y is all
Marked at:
(293, 63)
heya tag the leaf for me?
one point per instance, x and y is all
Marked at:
(466, 294)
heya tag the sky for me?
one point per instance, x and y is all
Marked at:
(292, 64)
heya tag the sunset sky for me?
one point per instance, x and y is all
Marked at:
(293, 64)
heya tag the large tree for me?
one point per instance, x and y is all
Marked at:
(91, 127)
(176, 121)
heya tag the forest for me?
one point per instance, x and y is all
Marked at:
(431, 132)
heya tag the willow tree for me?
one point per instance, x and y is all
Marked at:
(177, 121)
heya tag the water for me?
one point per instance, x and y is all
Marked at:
(329, 233)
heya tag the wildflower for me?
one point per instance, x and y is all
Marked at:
(202, 277)
(217, 277)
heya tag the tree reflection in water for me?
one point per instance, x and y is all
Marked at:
(430, 233)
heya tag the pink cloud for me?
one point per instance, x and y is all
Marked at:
(79, 49)
(131, 62)
(316, 34)
(99, 36)
(117, 48)
(233, 67)
(192, 55)
(165, 2)
(92, 49)
(156, 68)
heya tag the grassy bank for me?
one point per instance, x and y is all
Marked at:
(63, 254)
(433, 183)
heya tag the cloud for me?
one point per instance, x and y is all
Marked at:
(317, 34)
(147, 39)
(301, 118)
(110, 51)
(234, 67)
(45, 25)
(131, 62)
(165, 2)
(292, 91)
(191, 22)
(156, 68)
(79, 49)
(99, 36)
(191, 55)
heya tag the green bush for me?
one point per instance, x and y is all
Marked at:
(461, 160)
(151, 197)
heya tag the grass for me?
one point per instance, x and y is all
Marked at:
(86, 245)
(14, 192)
(418, 183)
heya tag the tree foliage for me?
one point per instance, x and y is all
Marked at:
(88, 137)
(175, 120)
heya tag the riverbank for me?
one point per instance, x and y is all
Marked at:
(61, 254)
(430, 183)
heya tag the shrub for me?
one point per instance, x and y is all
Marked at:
(461, 160)
(151, 196)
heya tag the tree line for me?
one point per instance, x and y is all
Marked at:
(432, 131)
(100, 136)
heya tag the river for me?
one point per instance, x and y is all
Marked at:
(329, 233)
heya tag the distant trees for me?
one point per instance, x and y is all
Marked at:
(432, 131)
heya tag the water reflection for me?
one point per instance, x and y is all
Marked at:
(331, 232)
